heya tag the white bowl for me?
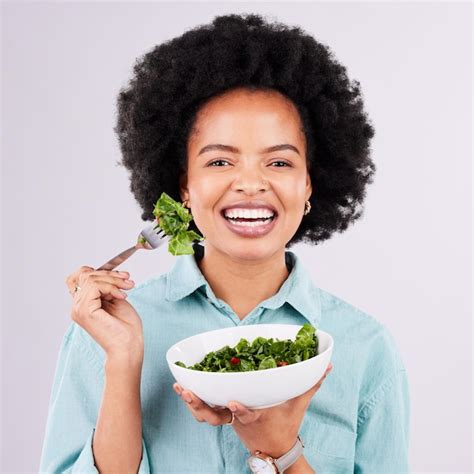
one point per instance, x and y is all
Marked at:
(256, 388)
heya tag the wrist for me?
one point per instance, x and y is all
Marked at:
(300, 466)
(273, 449)
(123, 363)
(295, 451)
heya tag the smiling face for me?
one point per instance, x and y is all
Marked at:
(248, 124)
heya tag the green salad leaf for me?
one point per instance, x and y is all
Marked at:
(173, 218)
(261, 354)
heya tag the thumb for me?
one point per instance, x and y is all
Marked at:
(243, 414)
(306, 396)
(318, 384)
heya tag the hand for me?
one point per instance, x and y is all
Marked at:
(100, 308)
(271, 430)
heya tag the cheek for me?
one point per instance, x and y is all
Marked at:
(206, 194)
(291, 194)
(205, 191)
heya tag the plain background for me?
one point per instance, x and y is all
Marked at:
(67, 204)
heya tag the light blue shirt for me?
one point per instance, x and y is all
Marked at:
(357, 422)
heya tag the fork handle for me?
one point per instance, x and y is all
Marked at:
(120, 258)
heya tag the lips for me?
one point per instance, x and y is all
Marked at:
(257, 230)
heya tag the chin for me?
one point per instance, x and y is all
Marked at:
(252, 250)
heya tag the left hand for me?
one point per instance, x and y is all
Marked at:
(271, 430)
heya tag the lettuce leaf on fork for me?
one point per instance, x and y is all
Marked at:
(173, 218)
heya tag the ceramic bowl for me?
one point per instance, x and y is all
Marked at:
(256, 388)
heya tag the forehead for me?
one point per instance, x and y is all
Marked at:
(259, 115)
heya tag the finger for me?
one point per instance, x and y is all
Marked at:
(73, 279)
(109, 291)
(328, 369)
(109, 287)
(242, 413)
(177, 388)
(94, 293)
(203, 412)
(318, 384)
(305, 398)
(118, 282)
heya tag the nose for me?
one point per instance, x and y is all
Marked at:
(250, 180)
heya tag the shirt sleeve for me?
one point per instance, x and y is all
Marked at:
(73, 409)
(383, 428)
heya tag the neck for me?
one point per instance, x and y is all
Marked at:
(243, 284)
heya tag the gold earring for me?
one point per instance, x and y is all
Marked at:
(185, 203)
(307, 207)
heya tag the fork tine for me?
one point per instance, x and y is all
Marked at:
(154, 235)
(159, 231)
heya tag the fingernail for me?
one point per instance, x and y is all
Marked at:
(187, 397)
(232, 407)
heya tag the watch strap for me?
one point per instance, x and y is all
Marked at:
(285, 461)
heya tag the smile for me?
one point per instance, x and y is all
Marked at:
(250, 227)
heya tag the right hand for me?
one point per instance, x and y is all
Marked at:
(102, 310)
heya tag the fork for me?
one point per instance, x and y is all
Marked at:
(150, 238)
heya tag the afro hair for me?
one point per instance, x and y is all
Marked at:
(157, 110)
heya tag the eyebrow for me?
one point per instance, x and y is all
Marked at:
(232, 149)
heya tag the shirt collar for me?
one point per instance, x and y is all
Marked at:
(298, 289)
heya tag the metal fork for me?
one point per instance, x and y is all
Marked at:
(154, 238)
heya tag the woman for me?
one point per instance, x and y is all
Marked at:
(237, 115)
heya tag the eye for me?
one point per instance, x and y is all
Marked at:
(284, 162)
(217, 161)
(213, 163)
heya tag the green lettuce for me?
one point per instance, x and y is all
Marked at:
(173, 218)
(261, 354)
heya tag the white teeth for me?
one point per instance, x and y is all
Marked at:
(249, 213)
(250, 224)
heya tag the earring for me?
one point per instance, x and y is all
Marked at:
(307, 207)
(185, 203)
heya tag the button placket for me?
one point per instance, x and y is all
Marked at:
(253, 316)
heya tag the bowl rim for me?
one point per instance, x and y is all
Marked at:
(250, 373)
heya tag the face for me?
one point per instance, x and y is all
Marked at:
(243, 168)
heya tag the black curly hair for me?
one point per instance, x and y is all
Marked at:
(157, 111)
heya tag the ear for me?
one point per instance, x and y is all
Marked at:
(309, 187)
(183, 186)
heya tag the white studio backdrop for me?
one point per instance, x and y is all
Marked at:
(67, 204)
